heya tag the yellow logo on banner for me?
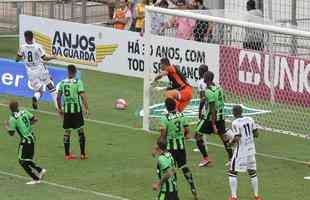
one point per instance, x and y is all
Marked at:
(75, 48)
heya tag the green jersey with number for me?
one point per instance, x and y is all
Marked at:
(71, 89)
(174, 124)
(165, 162)
(21, 123)
(215, 94)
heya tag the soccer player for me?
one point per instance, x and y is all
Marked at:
(38, 75)
(173, 127)
(180, 90)
(201, 87)
(73, 92)
(214, 121)
(167, 184)
(21, 121)
(245, 130)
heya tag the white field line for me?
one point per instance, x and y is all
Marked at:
(9, 36)
(139, 129)
(109, 196)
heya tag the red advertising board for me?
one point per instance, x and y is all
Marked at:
(249, 73)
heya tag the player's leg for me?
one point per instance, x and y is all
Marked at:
(37, 87)
(200, 129)
(26, 153)
(251, 164)
(225, 140)
(67, 125)
(173, 94)
(47, 80)
(184, 98)
(172, 196)
(78, 125)
(233, 184)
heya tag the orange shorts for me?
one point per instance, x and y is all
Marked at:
(186, 95)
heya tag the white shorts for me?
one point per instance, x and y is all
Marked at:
(39, 78)
(243, 164)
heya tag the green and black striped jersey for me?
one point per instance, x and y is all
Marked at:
(71, 89)
(165, 162)
(174, 124)
(21, 123)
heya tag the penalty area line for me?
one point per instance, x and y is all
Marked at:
(140, 129)
(109, 196)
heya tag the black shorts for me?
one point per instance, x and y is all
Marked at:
(205, 127)
(168, 196)
(26, 151)
(73, 120)
(179, 157)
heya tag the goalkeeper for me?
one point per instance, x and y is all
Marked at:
(180, 90)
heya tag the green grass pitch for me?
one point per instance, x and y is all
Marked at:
(120, 165)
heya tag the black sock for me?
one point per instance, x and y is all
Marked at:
(82, 143)
(228, 150)
(67, 144)
(202, 148)
(189, 177)
(27, 168)
(34, 166)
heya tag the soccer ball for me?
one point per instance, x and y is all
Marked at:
(229, 135)
(121, 104)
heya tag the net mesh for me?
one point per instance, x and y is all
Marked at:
(267, 72)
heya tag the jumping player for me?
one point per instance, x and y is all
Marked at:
(38, 75)
(173, 127)
(244, 130)
(214, 121)
(180, 90)
(167, 184)
(21, 121)
(72, 90)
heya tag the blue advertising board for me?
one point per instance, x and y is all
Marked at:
(14, 79)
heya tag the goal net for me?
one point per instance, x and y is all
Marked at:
(262, 66)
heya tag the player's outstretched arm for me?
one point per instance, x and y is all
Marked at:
(48, 58)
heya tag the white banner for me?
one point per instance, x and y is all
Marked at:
(116, 51)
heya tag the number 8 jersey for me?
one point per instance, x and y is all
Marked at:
(32, 55)
(244, 127)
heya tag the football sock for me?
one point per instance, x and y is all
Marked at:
(202, 148)
(82, 143)
(233, 183)
(67, 144)
(37, 95)
(189, 177)
(35, 167)
(26, 166)
(53, 93)
(254, 183)
(228, 150)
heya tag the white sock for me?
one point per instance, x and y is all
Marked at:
(54, 96)
(233, 182)
(254, 183)
(37, 95)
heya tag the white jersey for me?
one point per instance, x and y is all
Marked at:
(244, 127)
(32, 55)
(201, 85)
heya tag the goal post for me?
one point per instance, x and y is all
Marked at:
(261, 65)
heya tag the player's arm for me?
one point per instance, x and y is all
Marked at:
(48, 58)
(33, 120)
(201, 102)
(59, 106)
(10, 127)
(213, 115)
(161, 75)
(169, 173)
(85, 101)
(19, 56)
(235, 140)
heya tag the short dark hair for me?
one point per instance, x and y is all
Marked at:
(164, 61)
(162, 144)
(163, 4)
(202, 70)
(251, 4)
(170, 104)
(237, 110)
(208, 76)
(13, 106)
(28, 35)
(71, 69)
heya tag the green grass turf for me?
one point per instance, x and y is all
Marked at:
(120, 161)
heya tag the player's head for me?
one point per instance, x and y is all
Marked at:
(13, 106)
(237, 111)
(162, 144)
(71, 71)
(202, 70)
(163, 4)
(250, 5)
(28, 36)
(164, 63)
(208, 77)
(170, 104)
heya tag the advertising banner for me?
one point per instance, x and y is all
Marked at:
(14, 80)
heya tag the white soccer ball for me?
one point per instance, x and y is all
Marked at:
(229, 135)
(121, 104)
